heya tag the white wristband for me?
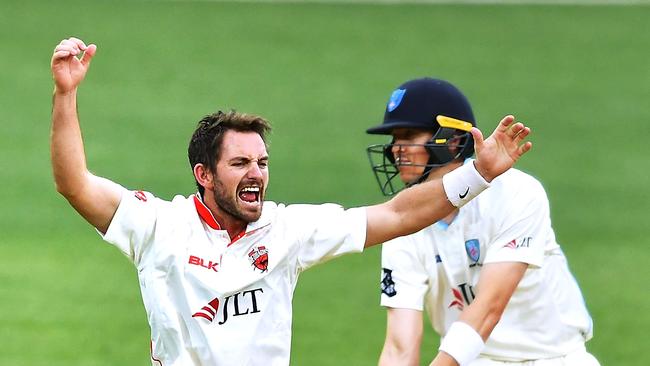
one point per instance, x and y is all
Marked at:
(462, 343)
(463, 184)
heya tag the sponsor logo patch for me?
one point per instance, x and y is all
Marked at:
(241, 303)
(519, 243)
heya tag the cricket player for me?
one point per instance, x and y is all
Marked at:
(490, 274)
(217, 269)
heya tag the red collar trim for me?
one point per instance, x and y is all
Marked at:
(205, 214)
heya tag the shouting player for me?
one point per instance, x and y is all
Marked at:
(217, 269)
(490, 274)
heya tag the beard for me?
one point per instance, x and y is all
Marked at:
(230, 205)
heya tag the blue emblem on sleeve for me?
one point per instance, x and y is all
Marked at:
(473, 249)
(395, 99)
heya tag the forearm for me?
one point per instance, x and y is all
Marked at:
(478, 320)
(66, 145)
(419, 207)
(403, 338)
(423, 204)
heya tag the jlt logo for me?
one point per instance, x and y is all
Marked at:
(463, 295)
(521, 243)
(243, 303)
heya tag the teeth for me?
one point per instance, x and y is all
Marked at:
(251, 189)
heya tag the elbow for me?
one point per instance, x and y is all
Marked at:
(395, 354)
(64, 189)
(67, 187)
(492, 317)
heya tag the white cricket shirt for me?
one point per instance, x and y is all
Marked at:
(213, 301)
(437, 269)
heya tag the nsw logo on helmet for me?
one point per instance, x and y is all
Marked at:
(395, 99)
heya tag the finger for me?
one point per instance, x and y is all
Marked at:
(78, 42)
(478, 138)
(88, 55)
(515, 129)
(73, 47)
(60, 54)
(65, 47)
(505, 123)
(522, 135)
(524, 148)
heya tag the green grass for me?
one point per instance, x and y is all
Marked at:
(578, 75)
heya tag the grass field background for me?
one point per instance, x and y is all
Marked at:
(578, 75)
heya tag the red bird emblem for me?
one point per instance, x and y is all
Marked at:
(259, 257)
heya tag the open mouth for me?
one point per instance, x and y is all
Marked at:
(250, 194)
(399, 160)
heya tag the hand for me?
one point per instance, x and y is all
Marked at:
(502, 149)
(67, 69)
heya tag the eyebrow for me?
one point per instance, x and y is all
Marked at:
(243, 158)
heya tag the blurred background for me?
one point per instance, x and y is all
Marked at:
(576, 72)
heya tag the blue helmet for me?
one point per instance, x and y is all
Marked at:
(427, 104)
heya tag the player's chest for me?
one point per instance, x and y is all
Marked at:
(213, 262)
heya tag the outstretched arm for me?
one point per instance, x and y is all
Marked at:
(422, 205)
(95, 198)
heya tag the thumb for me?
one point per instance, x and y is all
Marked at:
(88, 55)
(478, 138)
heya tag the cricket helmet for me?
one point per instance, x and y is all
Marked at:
(426, 104)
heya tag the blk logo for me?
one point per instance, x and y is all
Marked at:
(463, 295)
(198, 261)
(238, 304)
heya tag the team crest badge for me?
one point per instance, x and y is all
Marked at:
(259, 257)
(387, 283)
(473, 249)
(395, 99)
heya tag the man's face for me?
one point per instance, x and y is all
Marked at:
(241, 175)
(409, 152)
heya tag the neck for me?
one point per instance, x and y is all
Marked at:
(233, 225)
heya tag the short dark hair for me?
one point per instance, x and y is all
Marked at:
(205, 144)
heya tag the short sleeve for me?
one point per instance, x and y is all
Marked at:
(132, 227)
(404, 280)
(327, 231)
(522, 233)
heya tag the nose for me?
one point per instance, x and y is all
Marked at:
(397, 148)
(254, 170)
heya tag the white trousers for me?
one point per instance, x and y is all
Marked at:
(579, 357)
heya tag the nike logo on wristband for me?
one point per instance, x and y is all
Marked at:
(461, 196)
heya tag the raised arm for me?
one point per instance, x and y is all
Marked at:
(422, 205)
(95, 198)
